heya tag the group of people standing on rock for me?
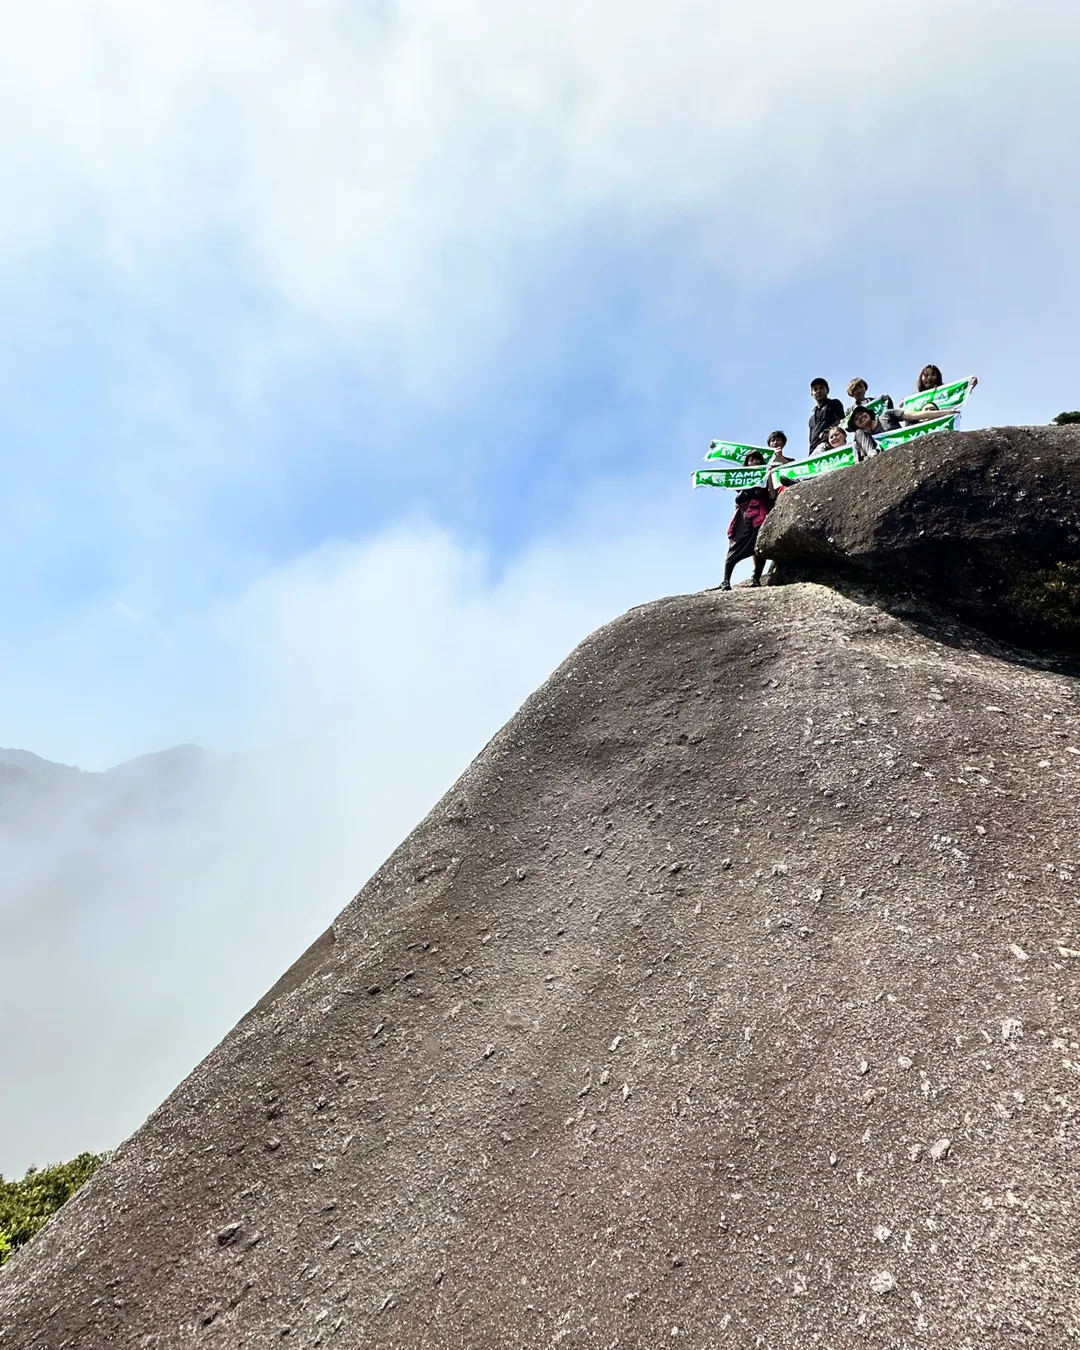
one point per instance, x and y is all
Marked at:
(830, 424)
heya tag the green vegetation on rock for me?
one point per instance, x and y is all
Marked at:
(1064, 418)
(26, 1205)
(1051, 597)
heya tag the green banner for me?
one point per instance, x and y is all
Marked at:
(729, 478)
(876, 406)
(945, 396)
(888, 440)
(736, 451)
(840, 458)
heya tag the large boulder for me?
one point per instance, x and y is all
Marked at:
(731, 998)
(985, 524)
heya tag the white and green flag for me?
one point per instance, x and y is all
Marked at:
(840, 458)
(730, 478)
(735, 450)
(945, 396)
(888, 440)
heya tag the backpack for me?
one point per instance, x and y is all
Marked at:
(755, 510)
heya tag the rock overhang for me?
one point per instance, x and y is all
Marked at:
(983, 524)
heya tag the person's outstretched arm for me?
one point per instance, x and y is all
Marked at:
(926, 414)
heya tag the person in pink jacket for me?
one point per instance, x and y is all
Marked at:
(752, 505)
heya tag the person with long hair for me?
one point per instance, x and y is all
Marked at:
(752, 505)
(930, 377)
(837, 437)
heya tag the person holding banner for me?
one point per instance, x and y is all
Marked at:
(776, 443)
(930, 378)
(863, 423)
(835, 438)
(752, 505)
(857, 391)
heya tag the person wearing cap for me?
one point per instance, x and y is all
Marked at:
(863, 423)
(752, 505)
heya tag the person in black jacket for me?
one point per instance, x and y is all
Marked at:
(827, 412)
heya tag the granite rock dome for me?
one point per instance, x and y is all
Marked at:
(731, 997)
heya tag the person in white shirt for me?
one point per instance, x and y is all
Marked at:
(776, 443)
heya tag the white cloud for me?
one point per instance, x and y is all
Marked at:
(392, 661)
(389, 165)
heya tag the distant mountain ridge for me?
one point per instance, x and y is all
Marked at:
(35, 766)
(27, 778)
(27, 764)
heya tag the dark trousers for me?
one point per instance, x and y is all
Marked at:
(740, 548)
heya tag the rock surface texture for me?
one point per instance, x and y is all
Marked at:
(731, 998)
(985, 524)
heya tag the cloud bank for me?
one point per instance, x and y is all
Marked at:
(376, 168)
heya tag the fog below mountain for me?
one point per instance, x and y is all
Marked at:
(142, 911)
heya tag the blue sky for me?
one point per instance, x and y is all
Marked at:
(352, 353)
(285, 275)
